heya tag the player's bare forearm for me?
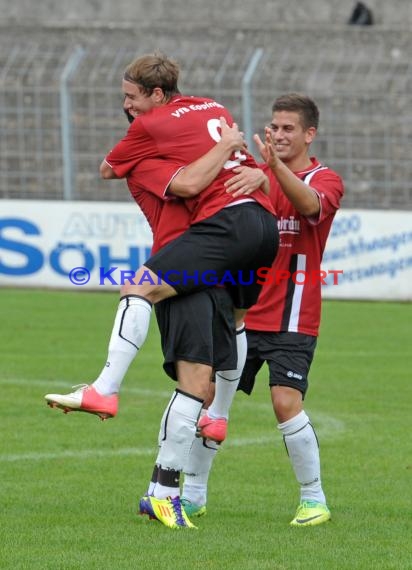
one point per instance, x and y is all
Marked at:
(302, 196)
(305, 200)
(246, 180)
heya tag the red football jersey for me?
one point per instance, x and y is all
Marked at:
(167, 218)
(181, 132)
(291, 296)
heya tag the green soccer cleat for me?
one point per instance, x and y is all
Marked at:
(311, 513)
(169, 512)
(191, 509)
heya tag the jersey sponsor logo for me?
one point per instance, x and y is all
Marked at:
(289, 225)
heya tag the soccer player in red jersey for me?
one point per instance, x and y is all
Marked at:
(282, 327)
(164, 122)
(180, 130)
(216, 240)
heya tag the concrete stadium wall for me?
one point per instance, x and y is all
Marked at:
(222, 13)
(355, 74)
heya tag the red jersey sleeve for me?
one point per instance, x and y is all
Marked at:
(131, 150)
(329, 188)
(147, 184)
(155, 175)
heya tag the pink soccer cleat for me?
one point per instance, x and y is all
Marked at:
(211, 428)
(85, 399)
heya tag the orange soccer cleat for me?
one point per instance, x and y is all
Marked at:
(212, 428)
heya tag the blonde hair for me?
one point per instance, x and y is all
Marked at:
(154, 70)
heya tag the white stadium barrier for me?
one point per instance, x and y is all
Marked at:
(97, 245)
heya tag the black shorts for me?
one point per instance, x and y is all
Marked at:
(198, 328)
(288, 355)
(226, 248)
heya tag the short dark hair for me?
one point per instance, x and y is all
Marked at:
(154, 70)
(301, 104)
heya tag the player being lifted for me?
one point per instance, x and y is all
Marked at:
(227, 234)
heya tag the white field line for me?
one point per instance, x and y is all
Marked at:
(326, 426)
(320, 419)
(104, 453)
(51, 386)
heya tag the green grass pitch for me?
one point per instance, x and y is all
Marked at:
(69, 484)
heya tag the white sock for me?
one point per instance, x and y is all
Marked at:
(197, 470)
(179, 430)
(128, 335)
(153, 480)
(226, 382)
(162, 434)
(162, 429)
(303, 449)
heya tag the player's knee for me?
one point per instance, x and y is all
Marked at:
(287, 402)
